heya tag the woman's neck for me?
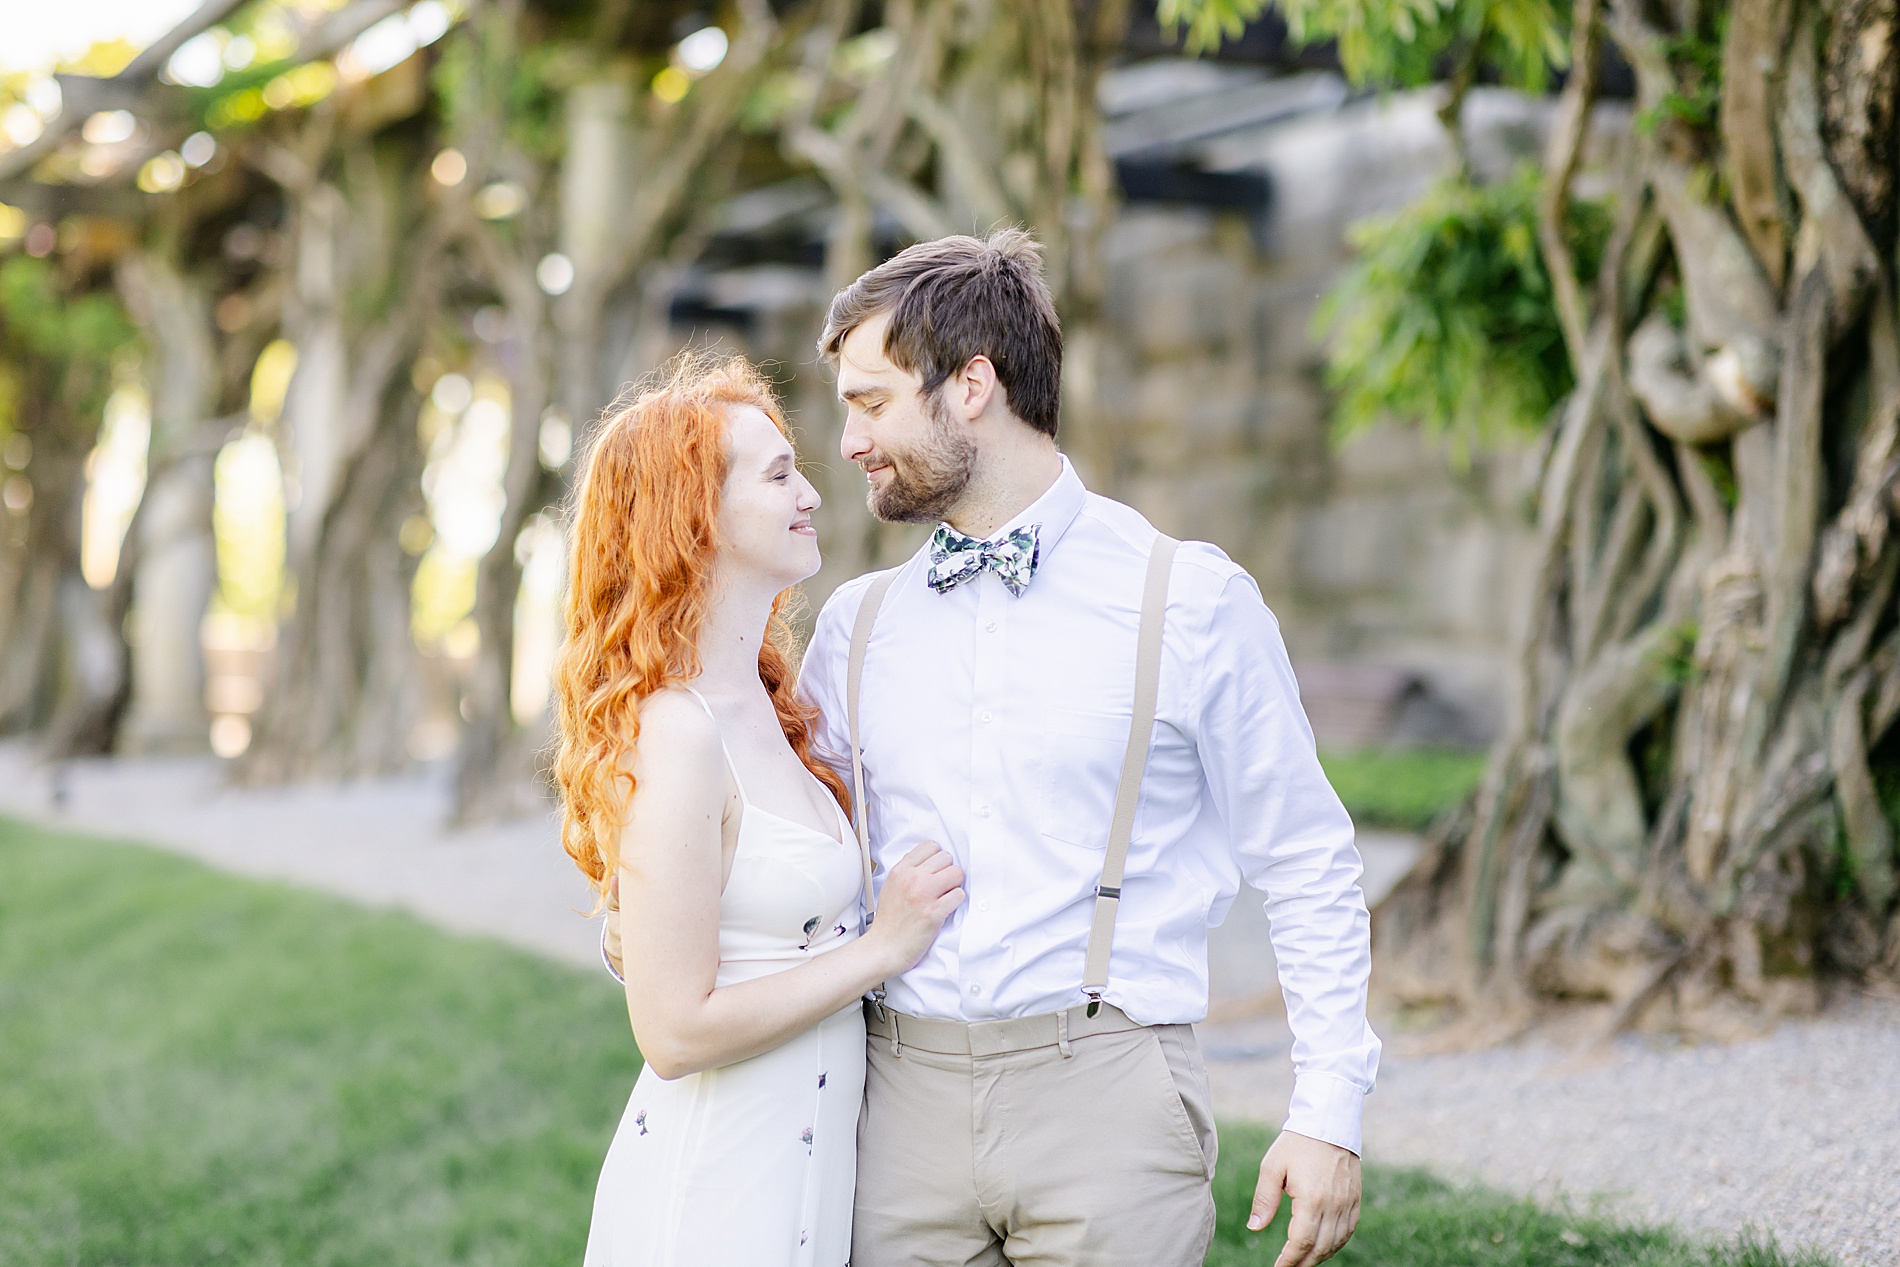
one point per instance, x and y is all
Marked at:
(730, 639)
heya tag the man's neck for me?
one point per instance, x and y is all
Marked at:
(1011, 474)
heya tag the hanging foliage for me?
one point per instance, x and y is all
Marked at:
(1446, 318)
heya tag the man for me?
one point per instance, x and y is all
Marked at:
(1010, 1116)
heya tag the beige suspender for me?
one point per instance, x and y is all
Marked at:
(1108, 892)
(854, 679)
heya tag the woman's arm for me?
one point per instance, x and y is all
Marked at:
(671, 874)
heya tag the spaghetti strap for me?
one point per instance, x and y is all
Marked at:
(730, 764)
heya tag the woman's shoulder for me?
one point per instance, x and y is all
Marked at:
(677, 735)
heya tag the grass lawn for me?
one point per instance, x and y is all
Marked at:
(201, 1069)
(1410, 1219)
(1402, 788)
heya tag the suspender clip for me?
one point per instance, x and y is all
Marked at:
(1109, 890)
(1095, 1000)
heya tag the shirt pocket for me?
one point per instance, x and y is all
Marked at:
(1082, 754)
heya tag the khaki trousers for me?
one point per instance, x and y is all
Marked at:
(1010, 1142)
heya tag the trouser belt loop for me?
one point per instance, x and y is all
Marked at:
(1062, 1035)
(897, 1041)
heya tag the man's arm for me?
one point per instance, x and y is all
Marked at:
(1294, 842)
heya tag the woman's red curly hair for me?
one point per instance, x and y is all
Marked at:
(643, 542)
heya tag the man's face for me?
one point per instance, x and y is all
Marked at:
(913, 450)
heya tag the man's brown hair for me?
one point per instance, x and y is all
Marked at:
(958, 298)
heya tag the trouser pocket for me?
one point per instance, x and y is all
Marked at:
(1187, 1088)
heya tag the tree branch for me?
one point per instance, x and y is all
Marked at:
(1831, 230)
(1757, 34)
(1679, 402)
(1560, 168)
(1869, 835)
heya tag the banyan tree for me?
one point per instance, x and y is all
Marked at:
(1693, 805)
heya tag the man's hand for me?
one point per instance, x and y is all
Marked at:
(1323, 1180)
(611, 939)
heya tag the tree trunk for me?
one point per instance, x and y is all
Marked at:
(42, 554)
(1693, 805)
(624, 181)
(368, 274)
(174, 557)
(61, 661)
(345, 698)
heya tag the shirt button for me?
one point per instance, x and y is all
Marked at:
(976, 989)
(990, 628)
(983, 904)
(986, 715)
(984, 810)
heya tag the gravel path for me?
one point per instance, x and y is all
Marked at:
(380, 842)
(1798, 1132)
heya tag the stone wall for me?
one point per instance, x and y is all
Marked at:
(1382, 552)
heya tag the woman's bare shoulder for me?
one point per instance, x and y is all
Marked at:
(677, 739)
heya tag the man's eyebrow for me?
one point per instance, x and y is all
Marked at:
(861, 393)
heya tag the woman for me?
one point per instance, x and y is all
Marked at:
(686, 768)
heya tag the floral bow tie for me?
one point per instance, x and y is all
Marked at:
(956, 558)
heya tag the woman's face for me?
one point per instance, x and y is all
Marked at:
(765, 509)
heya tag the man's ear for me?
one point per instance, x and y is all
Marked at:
(974, 387)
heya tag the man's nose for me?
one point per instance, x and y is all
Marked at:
(855, 441)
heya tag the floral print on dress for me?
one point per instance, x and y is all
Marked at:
(640, 1120)
(811, 926)
(806, 1138)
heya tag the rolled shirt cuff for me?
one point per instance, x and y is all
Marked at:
(611, 970)
(1327, 1107)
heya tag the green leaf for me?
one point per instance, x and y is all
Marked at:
(1446, 317)
(75, 335)
(1397, 43)
(1208, 22)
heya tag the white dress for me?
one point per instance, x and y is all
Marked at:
(752, 1164)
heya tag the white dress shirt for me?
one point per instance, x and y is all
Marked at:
(995, 725)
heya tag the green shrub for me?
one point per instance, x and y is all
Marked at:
(1402, 788)
(1446, 318)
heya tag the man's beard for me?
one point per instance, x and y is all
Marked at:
(930, 479)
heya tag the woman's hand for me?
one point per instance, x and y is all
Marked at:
(918, 896)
